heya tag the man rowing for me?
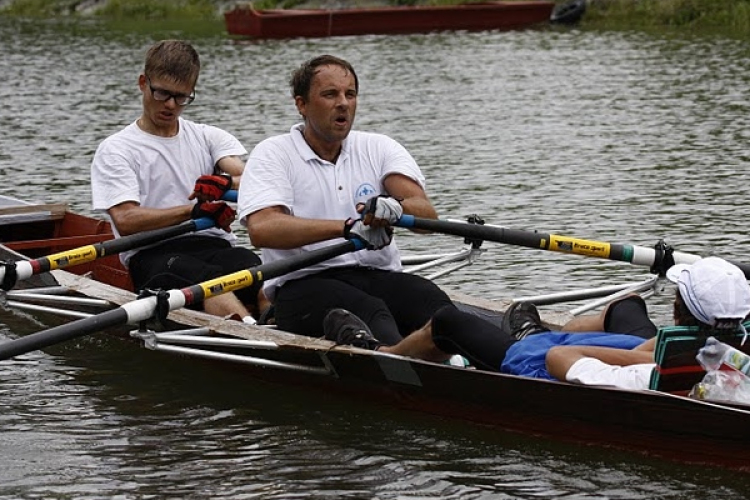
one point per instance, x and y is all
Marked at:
(324, 182)
(146, 175)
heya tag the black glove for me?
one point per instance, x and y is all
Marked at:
(384, 208)
(211, 187)
(374, 238)
(222, 214)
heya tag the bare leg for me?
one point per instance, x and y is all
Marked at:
(588, 323)
(419, 345)
(225, 305)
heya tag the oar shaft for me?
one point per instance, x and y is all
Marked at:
(633, 254)
(62, 333)
(81, 255)
(143, 309)
(529, 239)
(27, 268)
(245, 278)
(110, 247)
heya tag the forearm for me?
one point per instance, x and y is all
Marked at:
(284, 231)
(412, 197)
(234, 166)
(419, 207)
(559, 359)
(136, 219)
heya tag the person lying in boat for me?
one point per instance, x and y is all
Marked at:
(146, 175)
(322, 182)
(615, 348)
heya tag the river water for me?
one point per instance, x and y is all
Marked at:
(621, 137)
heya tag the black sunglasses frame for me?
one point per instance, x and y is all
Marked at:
(179, 99)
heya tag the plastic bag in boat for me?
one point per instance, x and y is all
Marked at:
(726, 376)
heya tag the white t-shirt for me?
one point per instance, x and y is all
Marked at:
(158, 172)
(591, 371)
(284, 171)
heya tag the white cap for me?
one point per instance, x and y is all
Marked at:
(713, 289)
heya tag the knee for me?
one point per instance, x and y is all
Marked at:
(444, 324)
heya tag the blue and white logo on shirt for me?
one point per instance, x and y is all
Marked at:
(364, 192)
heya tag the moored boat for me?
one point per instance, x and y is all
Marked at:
(657, 423)
(246, 21)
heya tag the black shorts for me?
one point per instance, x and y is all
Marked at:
(629, 315)
(189, 260)
(393, 304)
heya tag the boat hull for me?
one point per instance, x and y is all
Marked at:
(650, 423)
(248, 22)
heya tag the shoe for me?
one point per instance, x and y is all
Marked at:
(344, 328)
(521, 320)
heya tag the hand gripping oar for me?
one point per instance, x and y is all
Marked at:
(658, 258)
(145, 308)
(12, 272)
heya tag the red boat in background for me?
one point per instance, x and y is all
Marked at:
(245, 21)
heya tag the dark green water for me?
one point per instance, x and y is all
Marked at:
(620, 137)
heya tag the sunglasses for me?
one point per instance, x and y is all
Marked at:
(165, 95)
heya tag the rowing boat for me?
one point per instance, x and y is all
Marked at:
(660, 424)
(246, 21)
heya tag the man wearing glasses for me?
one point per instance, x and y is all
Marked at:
(162, 170)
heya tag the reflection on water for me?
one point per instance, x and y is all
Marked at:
(618, 137)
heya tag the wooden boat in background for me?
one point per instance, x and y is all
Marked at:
(37, 230)
(661, 424)
(246, 21)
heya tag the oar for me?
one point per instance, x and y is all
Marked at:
(144, 308)
(12, 272)
(638, 255)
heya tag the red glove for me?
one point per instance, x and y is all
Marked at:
(211, 187)
(222, 214)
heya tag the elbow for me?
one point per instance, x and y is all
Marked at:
(123, 226)
(557, 363)
(262, 233)
(257, 235)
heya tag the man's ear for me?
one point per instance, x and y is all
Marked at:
(299, 101)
